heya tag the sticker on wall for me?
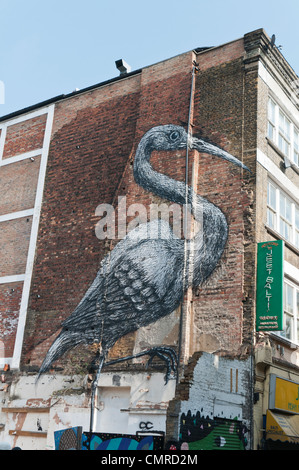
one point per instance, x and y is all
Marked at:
(68, 439)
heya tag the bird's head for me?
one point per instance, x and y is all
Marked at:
(168, 137)
(172, 137)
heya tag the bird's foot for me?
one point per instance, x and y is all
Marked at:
(168, 355)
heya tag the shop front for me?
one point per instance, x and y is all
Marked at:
(282, 418)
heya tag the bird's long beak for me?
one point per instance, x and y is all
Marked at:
(205, 147)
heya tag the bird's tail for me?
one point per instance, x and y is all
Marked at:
(64, 341)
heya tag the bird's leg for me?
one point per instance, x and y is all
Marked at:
(101, 359)
(168, 355)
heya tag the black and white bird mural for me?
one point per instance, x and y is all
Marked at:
(143, 278)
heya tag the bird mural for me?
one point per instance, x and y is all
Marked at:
(144, 277)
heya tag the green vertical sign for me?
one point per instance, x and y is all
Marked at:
(269, 292)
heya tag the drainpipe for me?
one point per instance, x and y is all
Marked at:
(185, 218)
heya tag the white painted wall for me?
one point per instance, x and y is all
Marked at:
(219, 387)
(124, 401)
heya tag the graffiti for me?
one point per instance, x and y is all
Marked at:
(143, 279)
(107, 441)
(145, 426)
(75, 439)
(203, 433)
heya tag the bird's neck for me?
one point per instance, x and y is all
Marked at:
(209, 241)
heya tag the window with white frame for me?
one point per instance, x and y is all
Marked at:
(271, 206)
(296, 226)
(291, 311)
(282, 214)
(271, 119)
(285, 216)
(296, 147)
(283, 132)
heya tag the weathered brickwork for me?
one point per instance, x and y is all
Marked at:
(84, 169)
(18, 184)
(19, 175)
(219, 115)
(14, 242)
(89, 165)
(90, 162)
(10, 299)
(24, 137)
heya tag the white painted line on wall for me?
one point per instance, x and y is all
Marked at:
(25, 117)
(16, 215)
(21, 156)
(33, 239)
(2, 141)
(13, 278)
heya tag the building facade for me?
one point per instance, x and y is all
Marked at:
(277, 221)
(212, 131)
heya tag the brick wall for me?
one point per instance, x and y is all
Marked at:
(10, 300)
(94, 138)
(90, 162)
(220, 114)
(20, 160)
(14, 243)
(18, 184)
(24, 136)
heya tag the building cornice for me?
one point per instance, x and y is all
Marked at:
(259, 47)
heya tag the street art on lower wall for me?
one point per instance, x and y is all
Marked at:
(203, 433)
(107, 441)
(144, 277)
(75, 439)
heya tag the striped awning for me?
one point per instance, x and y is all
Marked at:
(282, 427)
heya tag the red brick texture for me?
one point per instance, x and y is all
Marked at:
(10, 298)
(24, 137)
(14, 243)
(18, 186)
(18, 182)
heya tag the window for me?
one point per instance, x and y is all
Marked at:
(285, 217)
(296, 226)
(271, 119)
(282, 132)
(271, 210)
(291, 311)
(296, 147)
(282, 214)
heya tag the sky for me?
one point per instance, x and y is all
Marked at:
(49, 48)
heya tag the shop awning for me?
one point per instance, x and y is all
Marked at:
(284, 428)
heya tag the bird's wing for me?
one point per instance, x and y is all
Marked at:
(133, 279)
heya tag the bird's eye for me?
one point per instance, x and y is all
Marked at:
(174, 135)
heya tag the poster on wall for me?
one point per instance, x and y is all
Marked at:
(269, 292)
